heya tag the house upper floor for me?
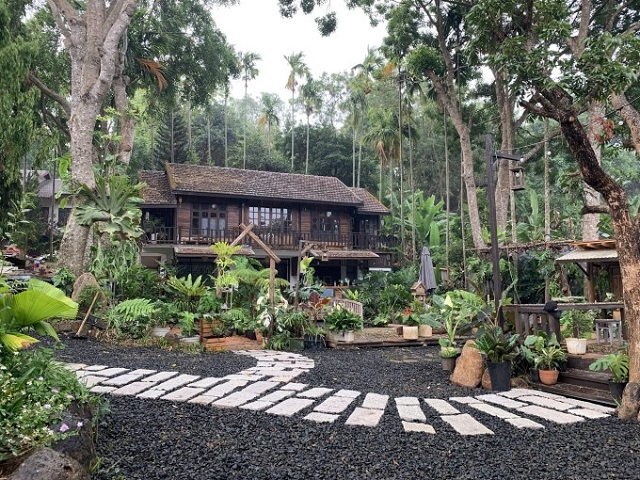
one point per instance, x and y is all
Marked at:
(193, 204)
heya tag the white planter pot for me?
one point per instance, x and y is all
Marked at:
(345, 336)
(577, 346)
(425, 331)
(159, 331)
(409, 333)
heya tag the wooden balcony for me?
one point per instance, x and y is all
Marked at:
(275, 239)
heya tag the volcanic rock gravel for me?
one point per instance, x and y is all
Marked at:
(158, 439)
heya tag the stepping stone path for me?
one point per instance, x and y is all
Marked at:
(270, 387)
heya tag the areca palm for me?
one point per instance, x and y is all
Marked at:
(311, 100)
(383, 137)
(298, 69)
(269, 115)
(249, 72)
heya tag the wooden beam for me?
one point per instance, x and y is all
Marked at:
(257, 239)
(245, 231)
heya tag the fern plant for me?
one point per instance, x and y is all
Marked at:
(131, 317)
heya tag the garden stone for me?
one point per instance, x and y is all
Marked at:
(83, 281)
(47, 464)
(80, 447)
(469, 367)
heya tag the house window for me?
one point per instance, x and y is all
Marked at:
(325, 225)
(369, 226)
(63, 216)
(273, 219)
(208, 220)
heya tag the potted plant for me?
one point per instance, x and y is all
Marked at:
(547, 360)
(314, 336)
(531, 347)
(499, 349)
(188, 328)
(448, 356)
(342, 323)
(618, 365)
(296, 323)
(577, 326)
(410, 322)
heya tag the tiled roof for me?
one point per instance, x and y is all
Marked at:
(371, 203)
(157, 191)
(608, 255)
(258, 184)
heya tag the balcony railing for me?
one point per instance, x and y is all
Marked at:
(275, 239)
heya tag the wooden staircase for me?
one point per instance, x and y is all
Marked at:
(577, 381)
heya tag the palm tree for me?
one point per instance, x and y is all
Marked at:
(298, 69)
(269, 115)
(383, 136)
(249, 72)
(312, 101)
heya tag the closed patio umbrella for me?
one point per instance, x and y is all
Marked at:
(427, 275)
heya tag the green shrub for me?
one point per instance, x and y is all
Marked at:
(34, 392)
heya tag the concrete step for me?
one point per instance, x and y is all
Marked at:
(595, 395)
(585, 378)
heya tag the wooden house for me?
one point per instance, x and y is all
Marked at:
(187, 208)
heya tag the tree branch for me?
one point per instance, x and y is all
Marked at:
(35, 81)
(587, 209)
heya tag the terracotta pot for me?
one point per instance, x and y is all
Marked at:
(548, 377)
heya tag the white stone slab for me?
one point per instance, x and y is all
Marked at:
(260, 387)
(334, 404)
(101, 389)
(418, 427)
(517, 392)
(151, 393)
(493, 411)
(411, 413)
(366, 417)
(375, 400)
(589, 405)
(276, 396)
(290, 406)
(407, 401)
(95, 368)
(236, 399)
(315, 392)
(91, 380)
(588, 413)
(546, 402)
(121, 380)
(134, 388)
(143, 371)
(74, 366)
(520, 422)
(284, 378)
(161, 376)
(551, 415)
(111, 372)
(202, 399)
(465, 400)
(241, 376)
(183, 394)
(348, 393)
(257, 405)
(465, 424)
(222, 389)
(175, 382)
(321, 417)
(441, 406)
(205, 382)
(501, 400)
(294, 386)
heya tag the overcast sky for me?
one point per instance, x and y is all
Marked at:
(256, 26)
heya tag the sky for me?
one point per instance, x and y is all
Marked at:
(256, 26)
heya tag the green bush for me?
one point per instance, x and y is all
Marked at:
(34, 392)
(341, 320)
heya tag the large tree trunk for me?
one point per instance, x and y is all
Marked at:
(557, 103)
(591, 197)
(91, 36)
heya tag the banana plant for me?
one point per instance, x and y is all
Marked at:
(30, 309)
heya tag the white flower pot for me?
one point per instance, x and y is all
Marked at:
(409, 333)
(195, 339)
(160, 331)
(425, 331)
(577, 346)
(345, 336)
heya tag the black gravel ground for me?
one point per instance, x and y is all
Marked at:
(156, 439)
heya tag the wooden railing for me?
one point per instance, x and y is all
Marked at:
(349, 305)
(275, 239)
(531, 318)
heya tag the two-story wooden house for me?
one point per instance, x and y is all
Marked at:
(187, 208)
